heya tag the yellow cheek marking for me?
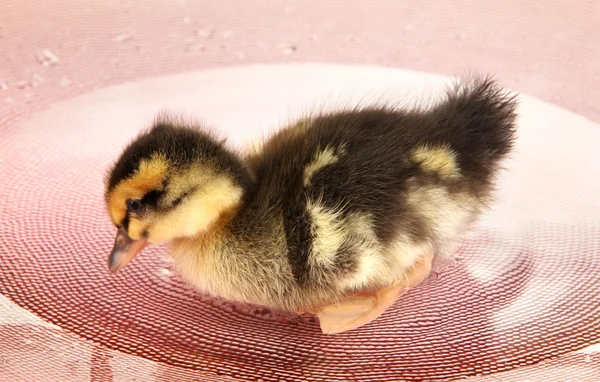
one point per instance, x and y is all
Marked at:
(136, 228)
(149, 176)
(182, 182)
(440, 160)
(198, 212)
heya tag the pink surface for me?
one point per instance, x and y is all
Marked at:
(519, 302)
(522, 290)
(547, 48)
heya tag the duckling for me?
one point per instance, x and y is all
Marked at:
(338, 214)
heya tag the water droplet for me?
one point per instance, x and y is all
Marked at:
(195, 48)
(205, 33)
(168, 260)
(186, 20)
(47, 58)
(227, 34)
(23, 84)
(123, 37)
(37, 79)
(165, 275)
(288, 48)
(3, 86)
(65, 82)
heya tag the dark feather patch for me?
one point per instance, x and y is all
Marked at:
(476, 121)
(346, 260)
(182, 146)
(298, 226)
(181, 197)
(125, 222)
(152, 198)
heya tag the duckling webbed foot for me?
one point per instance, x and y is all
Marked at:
(360, 308)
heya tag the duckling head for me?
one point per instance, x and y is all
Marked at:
(173, 181)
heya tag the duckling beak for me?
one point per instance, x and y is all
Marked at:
(124, 250)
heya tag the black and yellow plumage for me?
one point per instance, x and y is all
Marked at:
(335, 204)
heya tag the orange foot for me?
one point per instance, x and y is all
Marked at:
(360, 308)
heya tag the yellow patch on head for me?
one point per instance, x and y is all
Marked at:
(322, 159)
(440, 160)
(149, 175)
(182, 181)
(135, 229)
(216, 195)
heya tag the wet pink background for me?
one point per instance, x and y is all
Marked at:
(54, 50)
(549, 49)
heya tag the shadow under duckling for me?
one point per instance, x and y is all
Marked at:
(338, 214)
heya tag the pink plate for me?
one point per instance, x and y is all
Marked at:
(522, 292)
(519, 303)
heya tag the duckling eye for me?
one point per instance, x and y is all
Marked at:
(134, 205)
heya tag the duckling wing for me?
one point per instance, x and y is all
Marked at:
(358, 196)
